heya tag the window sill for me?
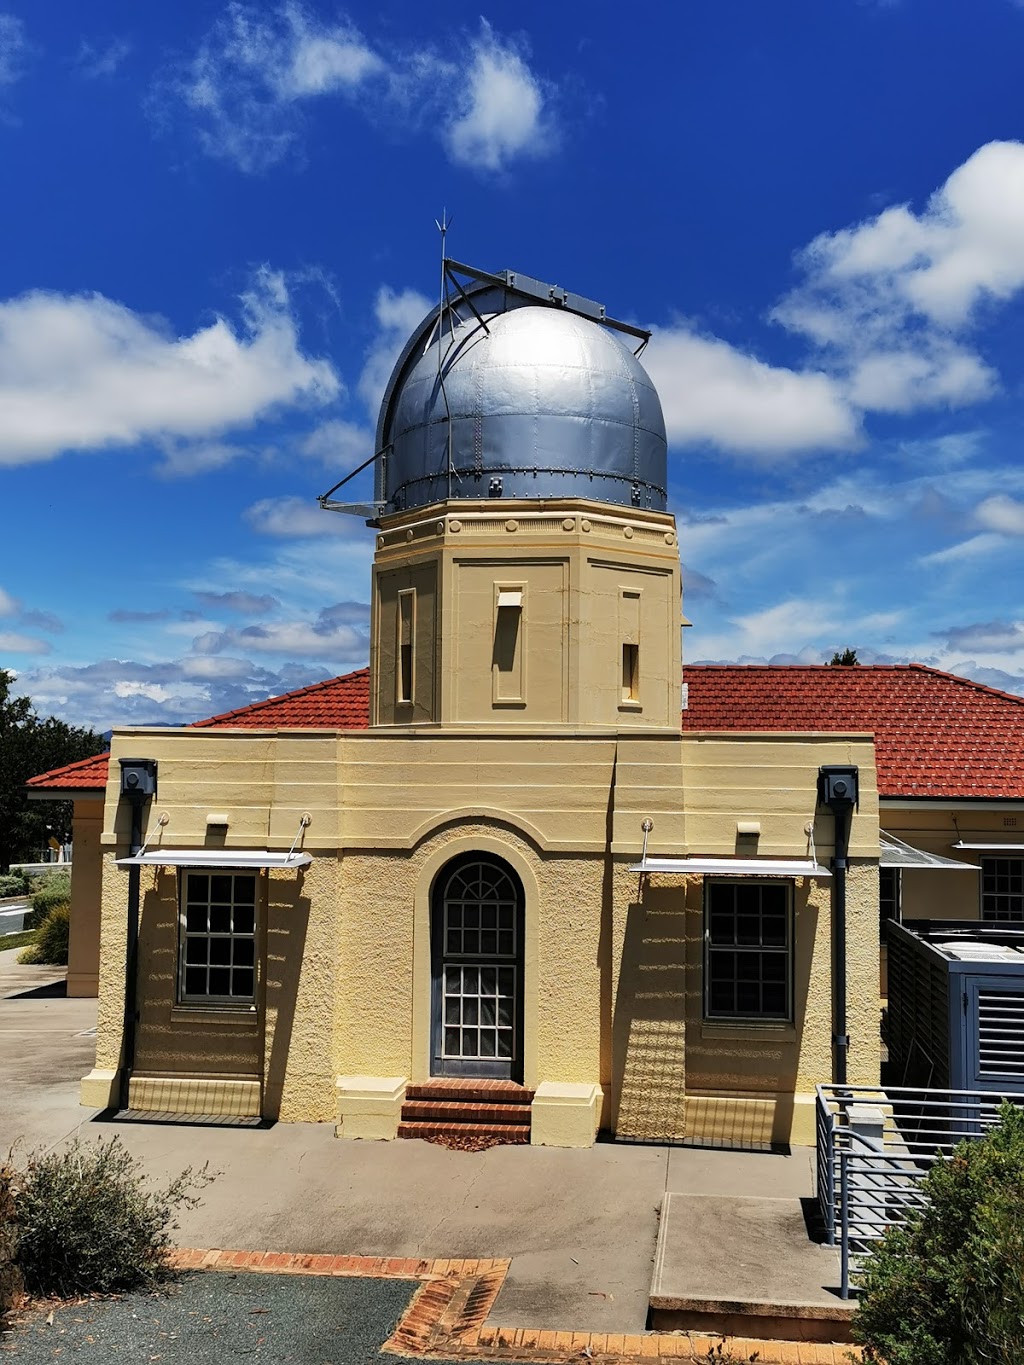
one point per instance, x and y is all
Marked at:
(777, 1030)
(244, 1016)
(631, 706)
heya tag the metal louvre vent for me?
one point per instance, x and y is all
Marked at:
(1000, 1033)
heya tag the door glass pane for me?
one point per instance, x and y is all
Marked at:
(478, 980)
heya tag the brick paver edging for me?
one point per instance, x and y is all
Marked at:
(447, 1318)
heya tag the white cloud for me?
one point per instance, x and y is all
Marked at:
(889, 301)
(14, 49)
(503, 108)
(247, 603)
(259, 68)
(887, 306)
(986, 636)
(98, 60)
(183, 458)
(339, 445)
(397, 313)
(254, 65)
(297, 519)
(710, 391)
(23, 644)
(1001, 513)
(967, 245)
(8, 605)
(81, 372)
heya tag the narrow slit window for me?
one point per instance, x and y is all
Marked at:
(406, 639)
(507, 652)
(629, 634)
(630, 672)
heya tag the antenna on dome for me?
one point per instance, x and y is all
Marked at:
(442, 307)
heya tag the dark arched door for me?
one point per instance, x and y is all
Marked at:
(477, 969)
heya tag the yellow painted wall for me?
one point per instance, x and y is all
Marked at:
(944, 894)
(613, 970)
(573, 562)
(84, 937)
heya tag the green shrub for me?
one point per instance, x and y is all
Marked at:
(10, 1280)
(88, 1221)
(51, 939)
(47, 891)
(53, 889)
(948, 1288)
(12, 884)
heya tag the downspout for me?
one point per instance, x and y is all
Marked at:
(838, 789)
(138, 785)
(131, 957)
(840, 1037)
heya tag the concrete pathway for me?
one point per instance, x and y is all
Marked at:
(580, 1227)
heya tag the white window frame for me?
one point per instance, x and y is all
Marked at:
(185, 935)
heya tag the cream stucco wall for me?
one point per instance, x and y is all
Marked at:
(948, 894)
(613, 967)
(521, 739)
(590, 579)
(84, 929)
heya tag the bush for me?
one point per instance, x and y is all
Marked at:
(51, 941)
(10, 1280)
(12, 884)
(948, 1288)
(87, 1221)
(53, 889)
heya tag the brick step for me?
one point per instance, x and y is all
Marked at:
(511, 1133)
(464, 1111)
(473, 1091)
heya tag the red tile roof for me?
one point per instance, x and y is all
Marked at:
(86, 774)
(936, 735)
(337, 704)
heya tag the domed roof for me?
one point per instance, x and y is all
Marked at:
(518, 399)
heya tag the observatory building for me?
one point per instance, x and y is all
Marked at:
(490, 886)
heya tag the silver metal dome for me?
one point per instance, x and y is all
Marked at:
(499, 394)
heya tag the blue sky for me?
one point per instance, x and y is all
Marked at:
(219, 228)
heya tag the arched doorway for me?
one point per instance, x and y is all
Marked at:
(477, 969)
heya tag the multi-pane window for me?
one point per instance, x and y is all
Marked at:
(480, 907)
(218, 937)
(888, 898)
(748, 950)
(1002, 888)
(479, 1011)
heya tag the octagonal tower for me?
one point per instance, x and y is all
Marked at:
(526, 572)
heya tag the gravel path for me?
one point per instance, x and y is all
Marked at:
(208, 1319)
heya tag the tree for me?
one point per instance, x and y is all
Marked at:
(30, 745)
(948, 1288)
(846, 659)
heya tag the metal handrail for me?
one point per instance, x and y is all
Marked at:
(867, 1184)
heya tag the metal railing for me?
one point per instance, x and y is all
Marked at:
(874, 1148)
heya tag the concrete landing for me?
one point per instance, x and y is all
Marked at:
(743, 1264)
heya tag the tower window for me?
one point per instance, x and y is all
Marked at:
(630, 672)
(507, 653)
(406, 645)
(629, 634)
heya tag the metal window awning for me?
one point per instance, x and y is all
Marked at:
(895, 853)
(250, 858)
(735, 867)
(992, 848)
